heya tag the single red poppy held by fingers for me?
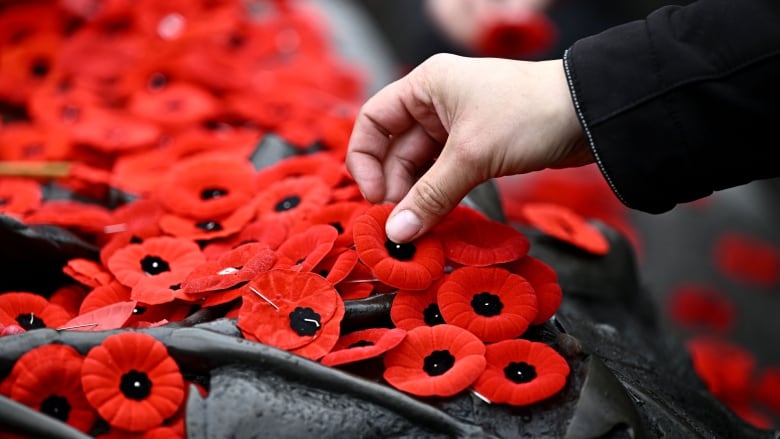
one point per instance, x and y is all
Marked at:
(566, 225)
(154, 256)
(362, 345)
(544, 281)
(132, 381)
(437, 360)
(287, 309)
(304, 250)
(411, 309)
(31, 311)
(470, 238)
(238, 265)
(410, 266)
(48, 379)
(491, 302)
(521, 372)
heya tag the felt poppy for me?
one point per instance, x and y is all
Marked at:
(544, 281)
(353, 290)
(112, 131)
(521, 372)
(32, 142)
(112, 316)
(321, 164)
(140, 172)
(292, 198)
(48, 379)
(304, 250)
(725, 368)
(337, 264)
(90, 218)
(115, 292)
(411, 266)
(176, 104)
(694, 306)
(132, 381)
(470, 238)
(362, 345)
(236, 266)
(491, 302)
(522, 35)
(326, 337)
(266, 231)
(31, 311)
(154, 256)
(206, 229)
(218, 297)
(20, 21)
(566, 225)
(19, 196)
(206, 186)
(340, 215)
(26, 66)
(287, 309)
(116, 240)
(69, 297)
(159, 289)
(87, 272)
(748, 259)
(139, 218)
(435, 360)
(411, 309)
(766, 389)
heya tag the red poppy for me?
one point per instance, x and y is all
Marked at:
(112, 316)
(544, 281)
(326, 338)
(69, 297)
(435, 360)
(699, 306)
(292, 198)
(115, 292)
(767, 388)
(48, 379)
(132, 381)
(491, 302)
(112, 131)
(207, 186)
(362, 345)
(304, 250)
(174, 105)
(159, 289)
(337, 264)
(154, 256)
(71, 214)
(207, 229)
(410, 266)
(270, 232)
(87, 272)
(566, 225)
(218, 297)
(32, 311)
(340, 215)
(19, 196)
(238, 265)
(411, 309)
(470, 238)
(27, 142)
(725, 368)
(321, 164)
(521, 372)
(748, 259)
(21, 21)
(26, 66)
(518, 36)
(353, 290)
(140, 218)
(293, 308)
(116, 241)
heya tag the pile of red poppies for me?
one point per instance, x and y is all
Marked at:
(166, 102)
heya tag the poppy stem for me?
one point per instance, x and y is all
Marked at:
(85, 325)
(252, 289)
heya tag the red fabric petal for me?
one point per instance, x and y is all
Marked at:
(203, 230)
(492, 303)
(270, 232)
(87, 272)
(154, 256)
(544, 281)
(748, 259)
(69, 298)
(340, 215)
(304, 250)
(337, 265)
(292, 198)
(767, 388)
(18, 196)
(566, 225)
(88, 217)
(32, 311)
(321, 164)
(411, 309)
(362, 345)
(701, 307)
(327, 337)
(238, 265)
(112, 316)
(518, 36)
(726, 368)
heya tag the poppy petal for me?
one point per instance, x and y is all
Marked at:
(544, 281)
(362, 345)
(112, 316)
(566, 225)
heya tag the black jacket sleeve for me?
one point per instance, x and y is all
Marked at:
(683, 103)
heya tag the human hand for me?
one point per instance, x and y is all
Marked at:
(455, 122)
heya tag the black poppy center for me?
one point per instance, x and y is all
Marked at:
(139, 310)
(438, 363)
(338, 226)
(157, 81)
(304, 321)
(432, 315)
(402, 252)
(57, 407)
(154, 265)
(520, 373)
(135, 385)
(360, 344)
(30, 321)
(288, 203)
(486, 304)
(39, 68)
(211, 193)
(4, 201)
(209, 226)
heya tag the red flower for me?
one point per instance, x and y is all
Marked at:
(518, 36)
(292, 310)
(238, 265)
(725, 368)
(207, 229)
(326, 338)
(470, 238)
(320, 164)
(748, 259)
(139, 218)
(303, 251)
(410, 266)
(153, 257)
(19, 196)
(132, 381)
(87, 272)
(27, 142)
(71, 214)
(159, 289)
(175, 105)
(32, 311)
(362, 345)
(337, 265)
(566, 225)
(411, 309)
(521, 372)
(26, 66)
(268, 231)
(292, 198)
(112, 316)
(435, 360)
(143, 313)
(767, 388)
(207, 186)
(491, 302)
(69, 298)
(544, 281)
(48, 379)
(698, 306)
(340, 215)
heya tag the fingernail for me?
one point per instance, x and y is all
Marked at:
(403, 226)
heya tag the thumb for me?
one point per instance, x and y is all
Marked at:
(432, 197)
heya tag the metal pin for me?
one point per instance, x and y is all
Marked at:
(115, 228)
(85, 325)
(316, 323)
(354, 281)
(228, 270)
(32, 318)
(480, 396)
(252, 289)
